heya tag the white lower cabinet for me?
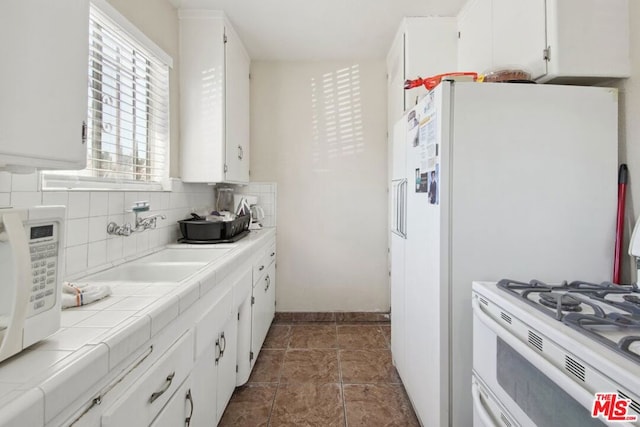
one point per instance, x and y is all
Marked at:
(147, 396)
(179, 409)
(264, 308)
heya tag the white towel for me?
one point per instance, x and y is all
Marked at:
(76, 295)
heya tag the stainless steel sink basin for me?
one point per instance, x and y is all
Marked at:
(147, 272)
(184, 255)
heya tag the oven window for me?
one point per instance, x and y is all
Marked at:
(540, 398)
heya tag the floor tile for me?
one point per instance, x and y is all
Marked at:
(361, 336)
(283, 318)
(268, 366)
(313, 336)
(308, 405)
(317, 366)
(378, 405)
(349, 317)
(314, 317)
(278, 337)
(250, 405)
(367, 366)
(386, 330)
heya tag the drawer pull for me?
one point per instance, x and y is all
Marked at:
(272, 254)
(261, 268)
(218, 351)
(268, 280)
(165, 387)
(223, 340)
(187, 421)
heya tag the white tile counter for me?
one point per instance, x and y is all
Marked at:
(41, 385)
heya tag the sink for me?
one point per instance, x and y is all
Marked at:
(147, 272)
(184, 255)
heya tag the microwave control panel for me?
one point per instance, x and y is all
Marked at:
(43, 245)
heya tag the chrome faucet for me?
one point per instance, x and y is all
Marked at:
(141, 223)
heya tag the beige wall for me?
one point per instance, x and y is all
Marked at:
(630, 136)
(331, 176)
(158, 20)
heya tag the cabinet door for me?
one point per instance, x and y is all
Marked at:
(204, 389)
(201, 97)
(179, 409)
(519, 36)
(474, 37)
(237, 65)
(44, 46)
(264, 308)
(227, 363)
(395, 80)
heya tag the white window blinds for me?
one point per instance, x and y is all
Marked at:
(128, 109)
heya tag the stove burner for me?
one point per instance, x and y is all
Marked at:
(565, 301)
(632, 299)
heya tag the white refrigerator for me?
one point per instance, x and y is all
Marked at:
(504, 181)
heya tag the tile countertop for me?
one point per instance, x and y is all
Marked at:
(93, 339)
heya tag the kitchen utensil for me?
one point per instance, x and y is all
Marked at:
(433, 81)
(224, 201)
(622, 192)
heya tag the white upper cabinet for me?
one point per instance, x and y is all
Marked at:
(423, 47)
(44, 46)
(559, 41)
(214, 99)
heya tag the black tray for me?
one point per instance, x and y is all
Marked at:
(200, 229)
(215, 241)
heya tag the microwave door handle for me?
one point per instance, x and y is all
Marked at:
(15, 235)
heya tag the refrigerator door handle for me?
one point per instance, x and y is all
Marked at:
(403, 208)
(396, 208)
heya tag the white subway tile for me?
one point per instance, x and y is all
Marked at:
(142, 242)
(97, 254)
(116, 203)
(25, 182)
(77, 231)
(115, 249)
(130, 199)
(5, 182)
(78, 204)
(129, 245)
(5, 199)
(76, 259)
(55, 198)
(25, 199)
(98, 228)
(99, 203)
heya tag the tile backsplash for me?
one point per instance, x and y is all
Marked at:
(89, 247)
(267, 196)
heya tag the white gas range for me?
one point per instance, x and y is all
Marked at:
(542, 353)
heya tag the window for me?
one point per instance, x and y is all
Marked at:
(128, 109)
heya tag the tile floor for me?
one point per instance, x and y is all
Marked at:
(322, 374)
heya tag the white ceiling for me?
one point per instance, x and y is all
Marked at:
(292, 30)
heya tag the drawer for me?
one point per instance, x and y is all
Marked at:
(267, 257)
(147, 396)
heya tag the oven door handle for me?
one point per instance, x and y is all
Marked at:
(581, 395)
(485, 418)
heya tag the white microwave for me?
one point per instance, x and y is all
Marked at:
(31, 261)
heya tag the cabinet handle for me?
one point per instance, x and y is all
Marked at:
(240, 152)
(218, 351)
(268, 280)
(84, 132)
(272, 254)
(224, 344)
(261, 268)
(165, 387)
(187, 421)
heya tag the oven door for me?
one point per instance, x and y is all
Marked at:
(531, 389)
